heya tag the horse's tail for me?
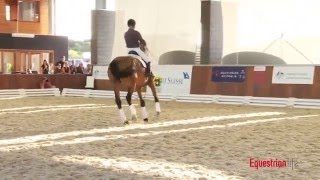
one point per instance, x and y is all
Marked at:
(126, 69)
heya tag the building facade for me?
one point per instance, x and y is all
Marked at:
(26, 36)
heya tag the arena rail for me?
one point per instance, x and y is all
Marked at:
(91, 93)
(218, 99)
(20, 93)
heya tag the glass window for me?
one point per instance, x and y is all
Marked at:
(8, 62)
(35, 62)
(8, 12)
(27, 66)
(46, 56)
(29, 11)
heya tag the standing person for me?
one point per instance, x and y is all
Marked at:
(135, 42)
(58, 69)
(45, 67)
(62, 61)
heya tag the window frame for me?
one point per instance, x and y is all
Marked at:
(37, 7)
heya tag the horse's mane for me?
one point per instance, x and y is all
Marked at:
(124, 66)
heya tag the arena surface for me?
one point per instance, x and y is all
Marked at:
(82, 138)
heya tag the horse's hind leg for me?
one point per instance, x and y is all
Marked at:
(143, 106)
(123, 117)
(155, 95)
(131, 106)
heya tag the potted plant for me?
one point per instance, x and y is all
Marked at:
(157, 82)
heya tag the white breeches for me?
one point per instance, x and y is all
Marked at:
(141, 54)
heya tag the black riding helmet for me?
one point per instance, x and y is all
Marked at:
(131, 22)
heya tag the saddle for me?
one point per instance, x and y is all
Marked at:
(136, 55)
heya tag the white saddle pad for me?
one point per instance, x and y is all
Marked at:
(140, 59)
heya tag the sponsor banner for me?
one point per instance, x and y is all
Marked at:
(228, 74)
(293, 75)
(100, 72)
(175, 79)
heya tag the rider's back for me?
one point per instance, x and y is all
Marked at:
(133, 38)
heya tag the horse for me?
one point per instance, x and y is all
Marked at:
(128, 71)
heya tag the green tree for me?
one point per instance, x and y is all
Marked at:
(74, 54)
(76, 48)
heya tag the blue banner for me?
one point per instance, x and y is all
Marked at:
(228, 74)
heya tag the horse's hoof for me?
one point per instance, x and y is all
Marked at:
(134, 118)
(126, 123)
(145, 120)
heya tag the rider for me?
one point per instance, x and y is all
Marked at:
(134, 41)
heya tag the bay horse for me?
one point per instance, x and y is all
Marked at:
(129, 72)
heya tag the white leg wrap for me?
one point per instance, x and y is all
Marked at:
(123, 117)
(158, 109)
(144, 112)
(133, 110)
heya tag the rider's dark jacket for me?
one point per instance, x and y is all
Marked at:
(133, 39)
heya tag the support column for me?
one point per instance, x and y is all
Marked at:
(102, 38)
(101, 4)
(51, 18)
(212, 32)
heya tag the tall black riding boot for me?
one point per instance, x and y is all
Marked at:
(148, 69)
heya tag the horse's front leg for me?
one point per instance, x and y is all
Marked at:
(123, 117)
(155, 95)
(143, 106)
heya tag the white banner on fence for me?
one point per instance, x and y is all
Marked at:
(175, 79)
(100, 72)
(293, 75)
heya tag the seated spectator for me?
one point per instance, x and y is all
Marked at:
(80, 69)
(58, 69)
(29, 71)
(89, 69)
(46, 84)
(66, 68)
(73, 67)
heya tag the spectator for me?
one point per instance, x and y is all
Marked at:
(46, 84)
(73, 67)
(80, 69)
(62, 61)
(58, 69)
(29, 71)
(45, 67)
(89, 69)
(66, 67)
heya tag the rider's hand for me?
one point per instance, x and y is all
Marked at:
(143, 48)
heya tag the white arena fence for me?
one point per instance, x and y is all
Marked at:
(218, 99)
(20, 93)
